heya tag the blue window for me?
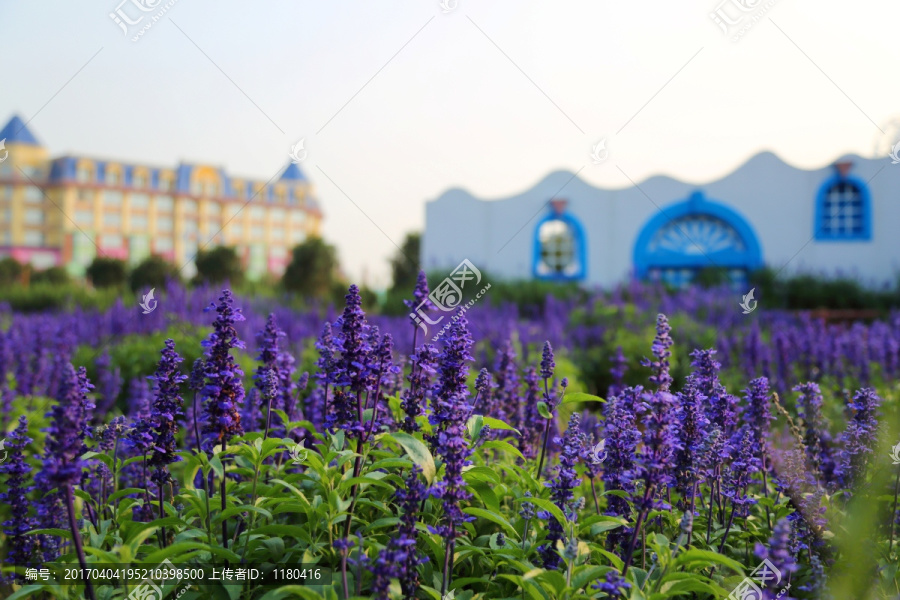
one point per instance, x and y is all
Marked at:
(559, 248)
(843, 209)
(692, 235)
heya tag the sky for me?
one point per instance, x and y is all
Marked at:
(398, 101)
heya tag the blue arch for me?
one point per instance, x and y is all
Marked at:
(747, 256)
(579, 242)
(821, 196)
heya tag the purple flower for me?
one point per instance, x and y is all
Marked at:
(224, 391)
(661, 344)
(692, 429)
(758, 415)
(532, 424)
(721, 406)
(505, 403)
(657, 457)
(562, 486)
(167, 408)
(353, 365)
(744, 463)
(109, 383)
(399, 558)
(618, 370)
(622, 437)
(448, 419)
(266, 378)
(614, 585)
(420, 294)
(420, 374)
(138, 398)
(19, 546)
(68, 429)
(482, 388)
(859, 439)
(548, 364)
(816, 435)
(779, 553)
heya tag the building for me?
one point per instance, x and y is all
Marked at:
(840, 219)
(67, 210)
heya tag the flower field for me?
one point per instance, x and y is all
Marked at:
(642, 444)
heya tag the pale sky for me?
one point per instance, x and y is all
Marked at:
(398, 101)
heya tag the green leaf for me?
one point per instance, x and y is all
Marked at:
(581, 397)
(498, 424)
(501, 445)
(493, 517)
(707, 557)
(474, 426)
(544, 410)
(418, 452)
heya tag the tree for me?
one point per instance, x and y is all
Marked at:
(105, 272)
(152, 272)
(219, 265)
(405, 264)
(11, 271)
(312, 270)
(51, 275)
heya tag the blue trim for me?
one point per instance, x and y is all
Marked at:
(866, 233)
(580, 243)
(750, 258)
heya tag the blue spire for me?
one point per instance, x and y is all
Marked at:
(293, 173)
(16, 132)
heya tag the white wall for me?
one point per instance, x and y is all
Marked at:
(776, 199)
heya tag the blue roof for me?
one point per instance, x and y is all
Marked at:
(292, 173)
(16, 132)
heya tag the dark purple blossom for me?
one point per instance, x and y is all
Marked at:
(548, 364)
(660, 348)
(167, 408)
(859, 439)
(614, 585)
(420, 375)
(224, 391)
(692, 429)
(20, 547)
(562, 490)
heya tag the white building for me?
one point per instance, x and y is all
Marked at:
(840, 219)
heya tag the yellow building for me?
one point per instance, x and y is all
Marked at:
(69, 209)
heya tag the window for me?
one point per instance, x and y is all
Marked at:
(237, 230)
(141, 201)
(34, 216)
(111, 219)
(277, 232)
(164, 203)
(165, 184)
(84, 218)
(163, 244)
(34, 239)
(257, 213)
(112, 198)
(257, 233)
(164, 224)
(112, 177)
(138, 222)
(213, 209)
(196, 188)
(7, 192)
(111, 240)
(86, 195)
(139, 181)
(842, 210)
(297, 236)
(189, 206)
(190, 226)
(277, 215)
(559, 248)
(696, 234)
(212, 190)
(84, 175)
(33, 194)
